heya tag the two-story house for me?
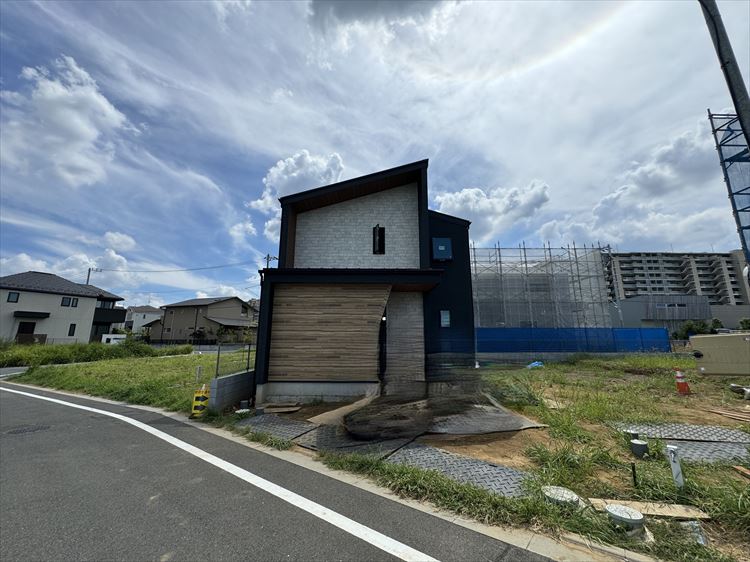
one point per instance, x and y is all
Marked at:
(206, 320)
(137, 317)
(42, 307)
(372, 289)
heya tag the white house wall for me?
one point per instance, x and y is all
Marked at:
(60, 318)
(340, 235)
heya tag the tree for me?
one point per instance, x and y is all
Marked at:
(691, 328)
(744, 323)
(716, 324)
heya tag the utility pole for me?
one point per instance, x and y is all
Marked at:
(269, 259)
(88, 275)
(728, 62)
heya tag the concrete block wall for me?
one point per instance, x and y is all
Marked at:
(229, 390)
(340, 235)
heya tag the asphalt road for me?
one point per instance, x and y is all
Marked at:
(77, 485)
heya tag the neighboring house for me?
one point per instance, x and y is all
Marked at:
(138, 316)
(42, 307)
(372, 288)
(206, 320)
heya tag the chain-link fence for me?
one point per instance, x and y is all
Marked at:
(234, 358)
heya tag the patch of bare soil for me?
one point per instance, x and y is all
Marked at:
(505, 448)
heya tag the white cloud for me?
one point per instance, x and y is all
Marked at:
(299, 172)
(669, 199)
(20, 263)
(119, 241)
(239, 232)
(495, 210)
(227, 291)
(63, 123)
(225, 8)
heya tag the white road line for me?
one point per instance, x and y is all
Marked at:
(379, 540)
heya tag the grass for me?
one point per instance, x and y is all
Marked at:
(166, 382)
(672, 542)
(593, 459)
(34, 355)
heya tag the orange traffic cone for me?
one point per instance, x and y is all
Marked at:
(681, 382)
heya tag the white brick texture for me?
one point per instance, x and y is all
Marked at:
(340, 235)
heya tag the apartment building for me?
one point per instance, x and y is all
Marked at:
(718, 276)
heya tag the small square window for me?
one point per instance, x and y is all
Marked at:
(167, 330)
(445, 318)
(74, 302)
(65, 301)
(378, 239)
(72, 330)
(13, 296)
(442, 249)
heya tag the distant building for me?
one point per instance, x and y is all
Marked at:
(206, 320)
(714, 281)
(718, 276)
(138, 316)
(44, 308)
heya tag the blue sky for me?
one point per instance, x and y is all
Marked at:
(155, 136)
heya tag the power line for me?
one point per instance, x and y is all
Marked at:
(177, 270)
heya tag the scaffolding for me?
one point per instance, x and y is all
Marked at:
(543, 287)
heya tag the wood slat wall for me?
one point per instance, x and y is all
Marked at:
(326, 332)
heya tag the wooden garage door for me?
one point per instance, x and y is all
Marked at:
(326, 332)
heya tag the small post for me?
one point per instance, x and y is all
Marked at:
(635, 478)
(218, 355)
(247, 368)
(198, 373)
(674, 462)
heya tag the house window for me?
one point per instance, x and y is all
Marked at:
(71, 330)
(445, 318)
(74, 302)
(167, 330)
(13, 296)
(65, 301)
(378, 239)
(442, 249)
(105, 304)
(144, 316)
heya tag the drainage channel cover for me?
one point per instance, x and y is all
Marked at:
(26, 429)
(686, 432)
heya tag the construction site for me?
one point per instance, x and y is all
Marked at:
(531, 287)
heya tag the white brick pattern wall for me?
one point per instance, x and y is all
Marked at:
(340, 235)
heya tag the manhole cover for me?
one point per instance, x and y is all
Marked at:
(27, 429)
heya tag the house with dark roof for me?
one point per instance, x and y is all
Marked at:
(43, 307)
(372, 292)
(205, 320)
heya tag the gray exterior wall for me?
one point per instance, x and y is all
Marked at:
(60, 318)
(341, 235)
(659, 311)
(730, 316)
(405, 338)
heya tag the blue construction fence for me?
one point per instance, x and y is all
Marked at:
(589, 340)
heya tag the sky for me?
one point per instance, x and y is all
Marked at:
(141, 138)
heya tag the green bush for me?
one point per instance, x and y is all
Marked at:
(35, 355)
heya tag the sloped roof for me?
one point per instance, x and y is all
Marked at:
(40, 282)
(356, 187)
(200, 302)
